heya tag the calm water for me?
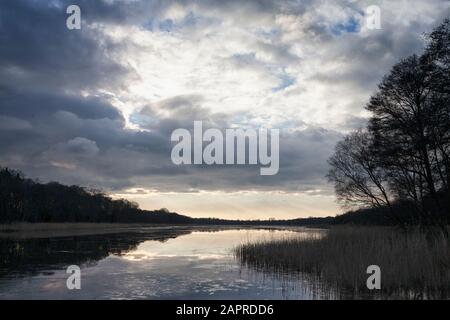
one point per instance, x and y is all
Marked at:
(149, 263)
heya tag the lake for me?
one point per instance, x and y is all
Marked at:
(149, 263)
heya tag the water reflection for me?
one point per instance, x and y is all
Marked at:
(174, 263)
(21, 257)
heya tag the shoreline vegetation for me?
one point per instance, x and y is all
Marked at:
(414, 265)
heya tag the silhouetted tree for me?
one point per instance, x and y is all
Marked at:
(404, 155)
(357, 177)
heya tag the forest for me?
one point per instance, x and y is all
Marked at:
(22, 199)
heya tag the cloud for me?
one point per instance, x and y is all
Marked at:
(81, 146)
(13, 124)
(39, 53)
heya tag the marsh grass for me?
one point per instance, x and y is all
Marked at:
(413, 264)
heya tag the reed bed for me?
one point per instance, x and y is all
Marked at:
(413, 264)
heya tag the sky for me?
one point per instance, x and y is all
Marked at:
(96, 107)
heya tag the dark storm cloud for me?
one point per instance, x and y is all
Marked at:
(91, 151)
(179, 112)
(44, 120)
(38, 52)
(25, 105)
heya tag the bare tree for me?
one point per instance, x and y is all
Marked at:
(357, 177)
(404, 156)
(411, 136)
(437, 55)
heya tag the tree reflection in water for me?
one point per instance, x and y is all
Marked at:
(25, 257)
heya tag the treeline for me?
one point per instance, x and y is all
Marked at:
(311, 221)
(399, 165)
(23, 199)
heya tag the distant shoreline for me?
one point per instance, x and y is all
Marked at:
(38, 229)
(28, 230)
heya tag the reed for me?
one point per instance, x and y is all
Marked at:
(413, 264)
